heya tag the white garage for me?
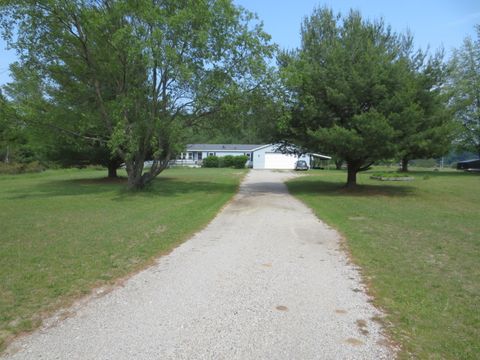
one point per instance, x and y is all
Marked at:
(270, 157)
(280, 161)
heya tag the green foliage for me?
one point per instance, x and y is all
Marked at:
(251, 119)
(133, 76)
(229, 161)
(14, 141)
(341, 80)
(239, 161)
(226, 161)
(422, 122)
(357, 94)
(425, 163)
(417, 244)
(211, 162)
(21, 168)
(465, 80)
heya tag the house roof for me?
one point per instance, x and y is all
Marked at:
(222, 147)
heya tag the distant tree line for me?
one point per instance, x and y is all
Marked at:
(121, 82)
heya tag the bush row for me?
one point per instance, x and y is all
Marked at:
(237, 162)
(20, 168)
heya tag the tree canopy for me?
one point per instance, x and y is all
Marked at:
(422, 122)
(356, 95)
(465, 85)
(133, 76)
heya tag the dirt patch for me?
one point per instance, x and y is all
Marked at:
(362, 327)
(354, 342)
(357, 218)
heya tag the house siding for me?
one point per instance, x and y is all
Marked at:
(258, 154)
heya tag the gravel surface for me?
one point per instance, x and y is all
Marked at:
(265, 280)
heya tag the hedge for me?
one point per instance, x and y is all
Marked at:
(237, 162)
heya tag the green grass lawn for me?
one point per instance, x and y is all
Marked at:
(63, 232)
(418, 244)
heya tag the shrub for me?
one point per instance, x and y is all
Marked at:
(227, 161)
(239, 161)
(210, 162)
(19, 168)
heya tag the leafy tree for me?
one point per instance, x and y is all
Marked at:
(54, 135)
(6, 128)
(135, 75)
(418, 109)
(465, 82)
(251, 119)
(14, 145)
(342, 80)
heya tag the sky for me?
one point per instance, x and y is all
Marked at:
(433, 23)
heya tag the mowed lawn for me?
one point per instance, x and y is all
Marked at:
(418, 244)
(63, 232)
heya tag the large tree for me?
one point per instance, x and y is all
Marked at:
(57, 134)
(418, 109)
(7, 129)
(252, 118)
(135, 75)
(15, 144)
(465, 81)
(362, 94)
(342, 80)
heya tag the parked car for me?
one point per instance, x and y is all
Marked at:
(301, 165)
(469, 165)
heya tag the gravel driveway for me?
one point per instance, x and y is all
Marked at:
(265, 280)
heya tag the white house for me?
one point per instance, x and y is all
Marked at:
(261, 156)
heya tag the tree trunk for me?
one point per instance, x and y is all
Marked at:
(7, 155)
(113, 164)
(112, 171)
(404, 165)
(338, 164)
(137, 180)
(352, 170)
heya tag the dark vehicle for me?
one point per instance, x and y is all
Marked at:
(301, 165)
(469, 165)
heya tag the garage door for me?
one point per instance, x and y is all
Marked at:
(279, 161)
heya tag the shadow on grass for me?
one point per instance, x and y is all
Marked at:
(164, 187)
(421, 173)
(329, 188)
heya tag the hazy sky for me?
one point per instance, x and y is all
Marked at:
(432, 22)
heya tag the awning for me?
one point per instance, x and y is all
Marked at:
(323, 157)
